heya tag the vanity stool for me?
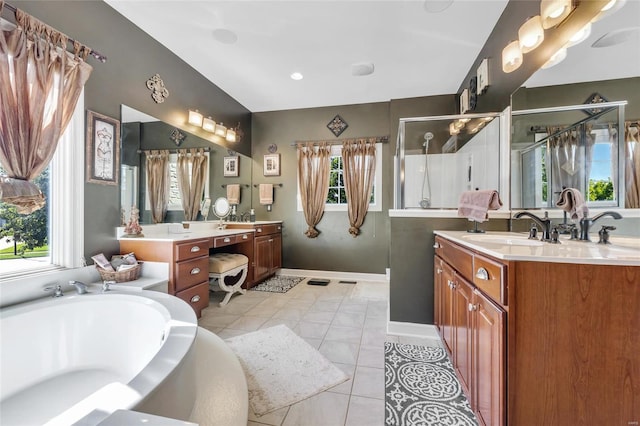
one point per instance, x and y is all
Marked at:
(222, 265)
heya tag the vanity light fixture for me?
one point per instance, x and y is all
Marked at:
(531, 34)
(195, 118)
(231, 135)
(580, 36)
(511, 57)
(553, 12)
(209, 125)
(558, 57)
(453, 128)
(221, 130)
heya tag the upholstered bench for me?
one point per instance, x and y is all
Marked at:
(222, 265)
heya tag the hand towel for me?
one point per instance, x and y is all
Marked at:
(572, 202)
(266, 193)
(475, 205)
(233, 193)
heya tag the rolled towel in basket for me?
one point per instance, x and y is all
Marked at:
(233, 193)
(475, 205)
(266, 193)
(572, 202)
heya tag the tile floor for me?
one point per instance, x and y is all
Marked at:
(345, 322)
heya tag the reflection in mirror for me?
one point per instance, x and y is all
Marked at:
(141, 132)
(128, 190)
(438, 158)
(567, 147)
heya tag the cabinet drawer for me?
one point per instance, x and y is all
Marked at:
(489, 276)
(456, 256)
(225, 240)
(191, 272)
(197, 297)
(268, 229)
(192, 249)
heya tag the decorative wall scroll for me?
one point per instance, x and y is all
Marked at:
(103, 149)
(177, 137)
(337, 125)
(158, 92)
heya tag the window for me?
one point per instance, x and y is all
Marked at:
(336, 197)
(64, 218)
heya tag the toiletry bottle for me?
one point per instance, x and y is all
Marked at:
(252, 216)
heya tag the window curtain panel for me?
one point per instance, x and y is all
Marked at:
(40, 83)
(192, 170)
(359, 159)
(570, 159)
(632, 166)
(313, 180)
(158, 183)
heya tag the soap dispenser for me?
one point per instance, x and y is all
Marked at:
(252, 215)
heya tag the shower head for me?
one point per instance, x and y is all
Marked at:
(427, 137)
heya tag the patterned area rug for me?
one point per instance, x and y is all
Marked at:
(278, 284)
(421, 388)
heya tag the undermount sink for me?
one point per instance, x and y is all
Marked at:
(510, 240)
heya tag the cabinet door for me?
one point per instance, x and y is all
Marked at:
(489, 361)
(263, 257)
(462, 332)
(276, 252)
(448, 282)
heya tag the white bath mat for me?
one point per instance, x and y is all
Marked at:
(282, 368)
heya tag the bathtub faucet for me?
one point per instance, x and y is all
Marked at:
(81, 288)
(57, 290)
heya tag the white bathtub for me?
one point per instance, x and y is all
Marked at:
(81, 357)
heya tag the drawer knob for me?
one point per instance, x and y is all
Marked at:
(227, 240)
(472, 307)
(195, 271)
(195, 249)
(195, 299)
(279, 228)
(482, 274)
(437, 246)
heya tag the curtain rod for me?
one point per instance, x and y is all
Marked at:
(172, 151)
(378, 139)
(99, 56)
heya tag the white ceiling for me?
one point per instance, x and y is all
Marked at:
(414, 52)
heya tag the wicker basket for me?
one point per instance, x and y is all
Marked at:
(121, 276)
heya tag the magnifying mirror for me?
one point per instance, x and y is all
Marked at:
(221, 208)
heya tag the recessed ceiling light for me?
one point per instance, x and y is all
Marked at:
(225, 36)
(296, 76)
(617, 37)
(437, 6)
(362, 68)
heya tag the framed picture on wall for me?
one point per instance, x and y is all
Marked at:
(231, 166)
(103, 149)
(271, 165)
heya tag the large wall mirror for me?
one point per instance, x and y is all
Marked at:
(141, 133)
(594, 149)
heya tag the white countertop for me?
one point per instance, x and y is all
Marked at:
(176, 231)
(515, 246)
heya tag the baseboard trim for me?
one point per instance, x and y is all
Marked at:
(354, 276)
(427, 331)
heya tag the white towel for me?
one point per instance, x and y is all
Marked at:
(266, 193)
(475, 205)
(233, 193)
(572, 202)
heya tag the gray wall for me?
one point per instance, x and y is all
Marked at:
(133, 57)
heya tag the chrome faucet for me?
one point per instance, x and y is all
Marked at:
(544, 223)
(57, 290)
(585, 223)
(81, 288)
(244, 217)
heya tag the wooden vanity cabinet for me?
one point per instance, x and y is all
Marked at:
(267, 250)
(472, 326)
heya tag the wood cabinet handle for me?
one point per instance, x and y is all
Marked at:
(437, 246)
(258, 229)
(227, 240)
(195, 249)
(195, 299)
(245, 236)
(438, 270)
(472, 307)
(482, 274)
(270, 240)
(195, 271)
(451, 284)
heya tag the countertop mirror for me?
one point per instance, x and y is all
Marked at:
(142, 132)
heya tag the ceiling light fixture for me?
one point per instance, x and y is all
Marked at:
(553, 12)
(195, 118)
(362, 68)
(511, 57)
(580, 36)
(558, 57)
(296, 76)
(616, 37)
(437, 6)
(530, 34)
(225, 36)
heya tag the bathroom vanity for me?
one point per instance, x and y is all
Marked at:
(541, 333)
(187, 253)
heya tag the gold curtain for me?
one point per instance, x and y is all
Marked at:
(192, 170)
(359, 158)
(632, 164)
(158, 183)
(313, 179)
(40, 83)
